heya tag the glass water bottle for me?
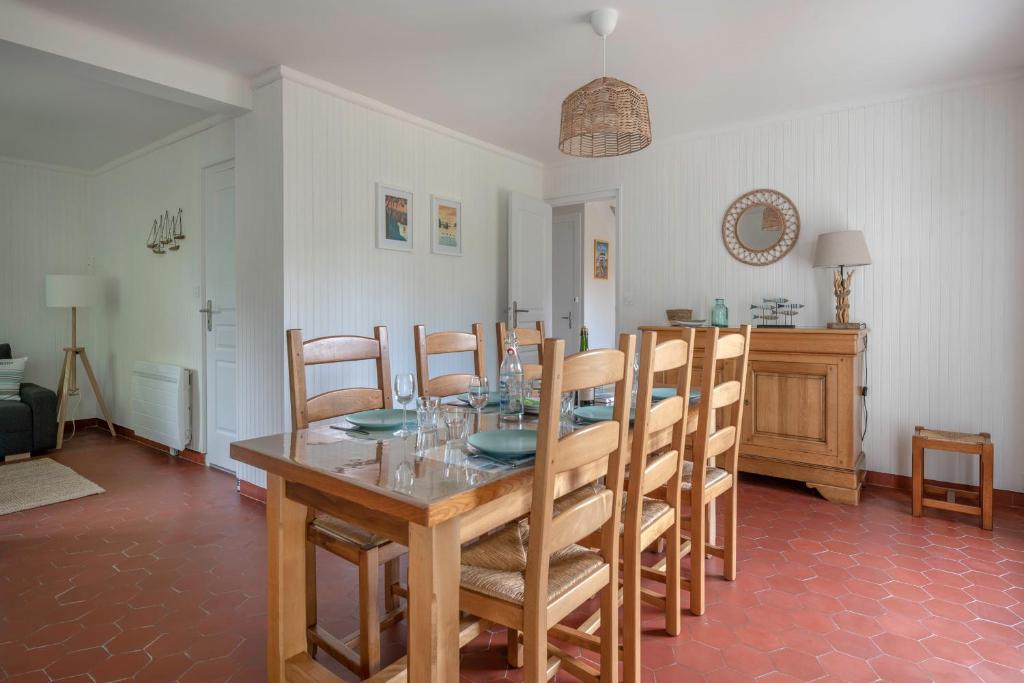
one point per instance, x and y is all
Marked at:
(720, 314)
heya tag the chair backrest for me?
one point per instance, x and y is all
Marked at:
(340, 349)
(447, 342)
(526, 337)
(595, 455)
(649, 471)
(726, 355)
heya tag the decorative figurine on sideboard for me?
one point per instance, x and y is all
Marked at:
(775, 312)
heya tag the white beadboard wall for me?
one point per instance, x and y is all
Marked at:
(152, 308)
(334, 279)
(45, 227)
(936, 182)
(259, 235)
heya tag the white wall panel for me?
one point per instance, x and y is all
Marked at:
(152, 310)
(336, 281)
(45, 228)
(935, 181)
(258, 211)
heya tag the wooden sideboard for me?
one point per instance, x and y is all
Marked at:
(803, 409)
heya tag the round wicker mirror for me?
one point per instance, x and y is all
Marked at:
(760, 227)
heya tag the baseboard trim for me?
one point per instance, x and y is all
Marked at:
(187, 454)
(902, 482)
(252, 491)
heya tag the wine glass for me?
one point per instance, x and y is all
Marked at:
(405, 388)
(479, 394)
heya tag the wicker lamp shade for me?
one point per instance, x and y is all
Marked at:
(605, 118)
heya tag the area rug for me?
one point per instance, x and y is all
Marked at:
(38, 482)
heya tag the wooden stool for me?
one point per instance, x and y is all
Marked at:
(955, 442)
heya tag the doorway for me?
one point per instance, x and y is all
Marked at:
(585, 245)
(219, 314)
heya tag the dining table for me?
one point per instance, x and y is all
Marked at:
(431, 500)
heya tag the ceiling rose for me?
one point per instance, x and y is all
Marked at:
(606, 117)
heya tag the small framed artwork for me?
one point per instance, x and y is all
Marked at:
(446, 226)
(600, 260)
(394, 218)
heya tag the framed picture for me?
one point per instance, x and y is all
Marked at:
(394, 218)
(600, 260)
(446, 226)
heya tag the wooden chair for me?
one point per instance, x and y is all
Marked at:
(718, 442)
(447, 342)
(653, 493)
(528, 576)
(360, 547)
(526, 337)
(955, 442)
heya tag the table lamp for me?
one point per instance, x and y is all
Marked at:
(74, 291)
(842, 249)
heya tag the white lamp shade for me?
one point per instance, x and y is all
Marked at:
(842, 248)
(65, 291)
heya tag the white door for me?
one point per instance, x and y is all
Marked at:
(529, 261)
(220, 320)
(567, 279)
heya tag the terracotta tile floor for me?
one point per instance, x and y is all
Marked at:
(162, 579)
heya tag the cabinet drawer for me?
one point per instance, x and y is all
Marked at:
(791, 410)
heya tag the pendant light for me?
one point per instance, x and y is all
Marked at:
(606, 117)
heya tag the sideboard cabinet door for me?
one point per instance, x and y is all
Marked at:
(790, 411)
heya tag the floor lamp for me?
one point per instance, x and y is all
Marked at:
(74, 291)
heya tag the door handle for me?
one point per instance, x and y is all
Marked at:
(569, 318)
(209, 314)
(515, 313)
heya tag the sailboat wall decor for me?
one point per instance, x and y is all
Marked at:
(166, 234)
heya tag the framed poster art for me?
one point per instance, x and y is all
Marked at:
(394, 218)
(600, 260)
(446, 226)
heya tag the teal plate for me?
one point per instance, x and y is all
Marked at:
(505, 443)
(598, 413)
(379, 419)
(492, 398)
(661, 393)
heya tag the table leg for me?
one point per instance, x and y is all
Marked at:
(434, 557)
(286, 579)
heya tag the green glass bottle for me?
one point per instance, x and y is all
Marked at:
(720, 314)
(585, 396)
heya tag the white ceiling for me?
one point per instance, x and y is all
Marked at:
(499, 70)
(52, 113)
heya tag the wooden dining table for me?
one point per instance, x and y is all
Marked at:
(431, 501)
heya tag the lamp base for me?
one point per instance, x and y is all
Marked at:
(846, 326)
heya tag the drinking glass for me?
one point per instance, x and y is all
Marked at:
(426, 439)
(455, 421)
(426, 413)
(479, 394)
(566, 414)
(405, 389)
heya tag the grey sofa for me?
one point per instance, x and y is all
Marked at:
(28, 425)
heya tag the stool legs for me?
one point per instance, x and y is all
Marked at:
(985, 484)
(918, 477)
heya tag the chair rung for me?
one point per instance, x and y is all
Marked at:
(715, 550)
(953, 507)
(573, 665)
(576, 637)
(651, 598)
(336, 648)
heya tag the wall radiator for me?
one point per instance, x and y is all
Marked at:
(161, 404)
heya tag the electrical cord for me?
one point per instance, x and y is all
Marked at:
(864, 394)
(74, 410)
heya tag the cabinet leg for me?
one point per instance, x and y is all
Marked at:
(838, 494)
